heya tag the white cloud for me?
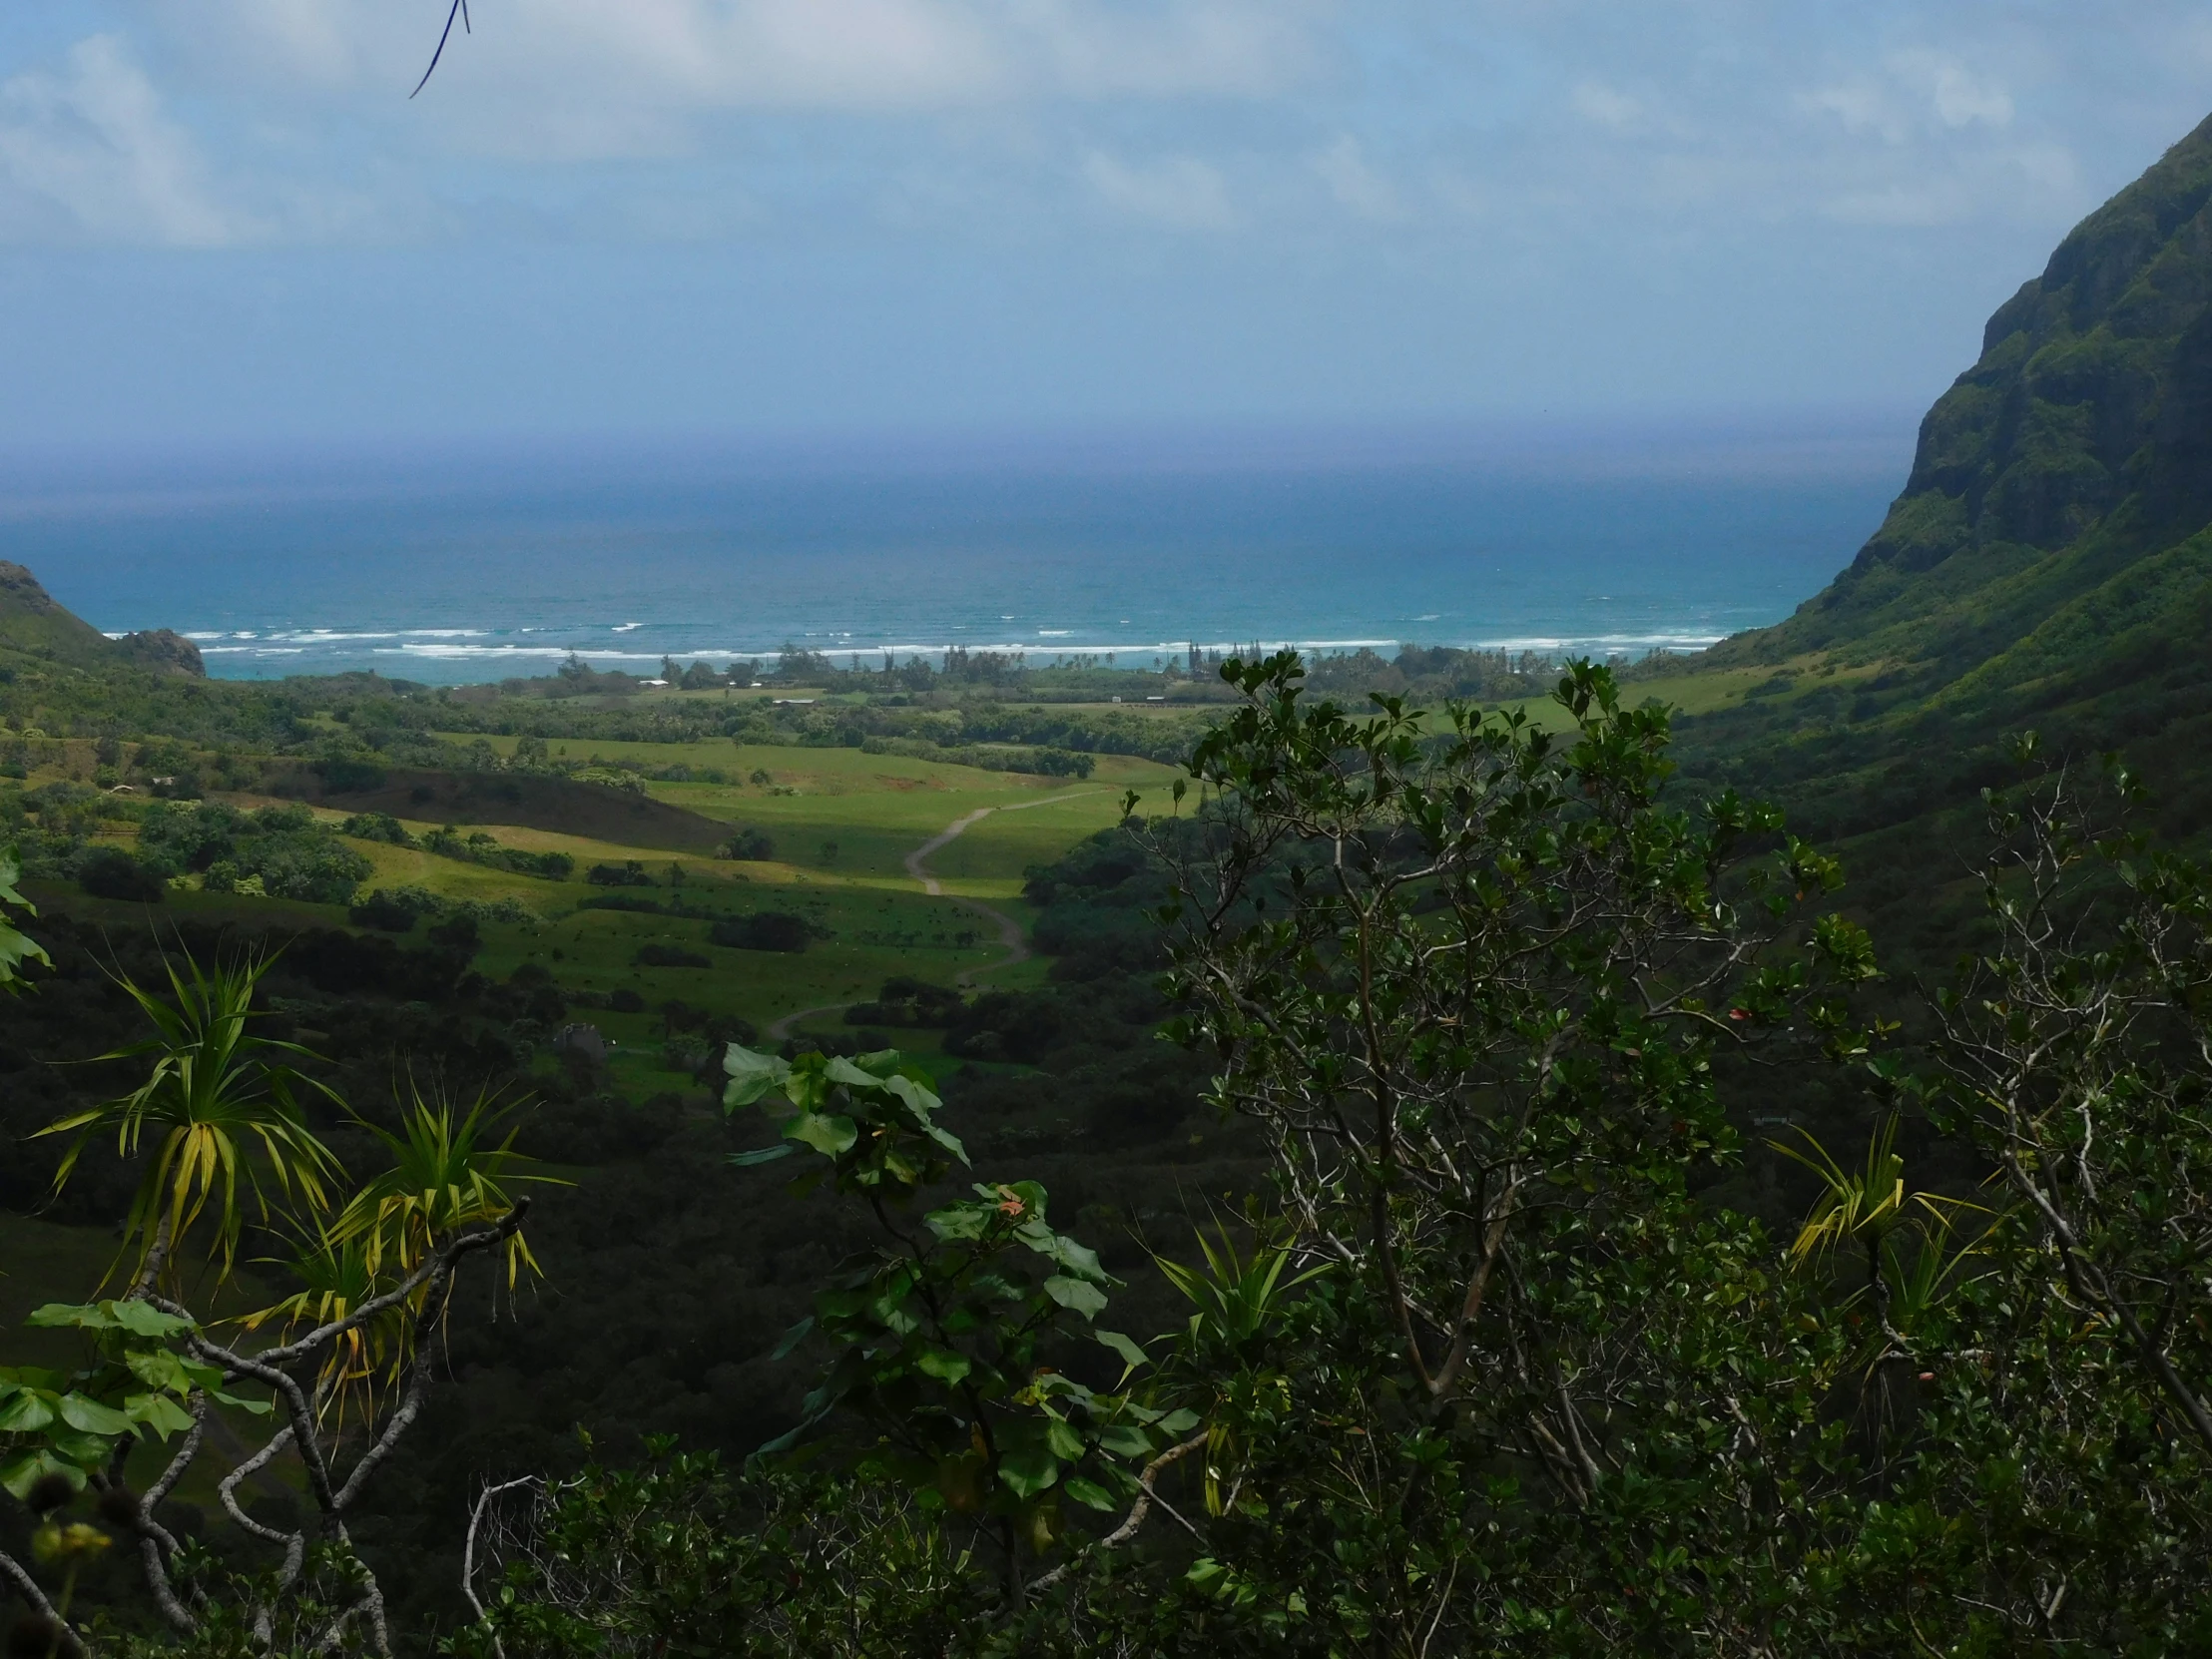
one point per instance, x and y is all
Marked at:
(1959, 96)
(1181, 190)
(90, 152)
(1344, 168)
(1863, 107)
(1595, 100)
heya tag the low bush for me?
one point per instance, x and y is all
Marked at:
(383, 912)
(752, 846)
(377, 826)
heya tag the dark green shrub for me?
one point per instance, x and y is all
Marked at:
(113, 873)
(762, 930)
(671, 955)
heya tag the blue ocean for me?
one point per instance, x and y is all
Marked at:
(447, 568)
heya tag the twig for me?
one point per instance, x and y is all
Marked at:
(459, 10)
(475, 1524)
(1146, 1498)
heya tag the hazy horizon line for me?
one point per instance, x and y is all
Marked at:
(1795, 442)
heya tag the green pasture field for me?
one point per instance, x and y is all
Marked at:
(841, 836)
(876, 809)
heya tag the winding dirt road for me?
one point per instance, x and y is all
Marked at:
(1011, 936)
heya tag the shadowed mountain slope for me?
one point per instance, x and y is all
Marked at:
(2052, 535)
(2048, 566)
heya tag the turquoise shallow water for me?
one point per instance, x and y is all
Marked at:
(432, 570)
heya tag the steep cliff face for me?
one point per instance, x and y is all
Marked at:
(2062, 484)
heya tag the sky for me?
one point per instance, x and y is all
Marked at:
(226, 221)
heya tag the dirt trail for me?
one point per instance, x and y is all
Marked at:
(1011, 936)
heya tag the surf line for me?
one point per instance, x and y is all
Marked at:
(1011, 936)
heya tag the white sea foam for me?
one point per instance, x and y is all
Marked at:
(1555, 645)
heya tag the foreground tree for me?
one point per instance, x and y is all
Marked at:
(218, 1124)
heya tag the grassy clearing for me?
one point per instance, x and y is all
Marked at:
(843, 822)
(849, 815)
(877, 935)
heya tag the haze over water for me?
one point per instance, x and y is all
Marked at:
(453, 569)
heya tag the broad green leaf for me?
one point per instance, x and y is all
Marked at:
(157, 1367)
(1029, 1470)
(1066, 1443)
(1075, 1296)
(828, 1135)
(16, 948)
(143, 1318)
(751, 1075)
(1077, 1258)
(950, 1142)
(892, 1309)
(961, 1221)
(160, 1413)
(913, 1093)
(89, 1449)
(25, 1413)
(841, 1070)
(1087, 1491)
(92, 1417)
(1179, 1422)
(85, 1316)
(1204, 1571)
(1125, 1441)
(1132, 1353)
(946, 1366)
(793, 1338)
(744, 1091)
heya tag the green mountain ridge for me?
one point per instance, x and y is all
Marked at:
(2047, 566)
(2049, 536)
(34, 624)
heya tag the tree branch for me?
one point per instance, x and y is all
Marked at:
(1146, 1496)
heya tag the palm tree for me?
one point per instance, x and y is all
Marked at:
(1239, 1299)
(220, 1101)
(1870, 1210)
(336, 1284)
(445, 1176)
